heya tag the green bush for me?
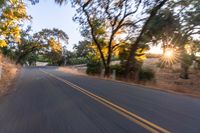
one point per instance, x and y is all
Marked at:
(118, 68)
(198, 64)
(93, 67)
(146, 74)
(76, 60)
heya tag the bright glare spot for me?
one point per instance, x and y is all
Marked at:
(170, 56)
(169, 53)
(188, 49)
(156, 50)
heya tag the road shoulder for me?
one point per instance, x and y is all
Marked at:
(146, 86)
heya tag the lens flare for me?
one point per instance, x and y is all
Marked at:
(169, 53)
(170, 56)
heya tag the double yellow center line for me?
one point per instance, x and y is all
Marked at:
(129, 115)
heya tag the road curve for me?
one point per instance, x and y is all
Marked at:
(49, 101)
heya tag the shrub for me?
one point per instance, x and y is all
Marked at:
(198, 65)
(146, 74)
(118, 68)
(76, 60)
(93, 67)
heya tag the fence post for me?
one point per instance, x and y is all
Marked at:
(102, 73)
(114, 75)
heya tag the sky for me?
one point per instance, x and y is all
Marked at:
(47, 14)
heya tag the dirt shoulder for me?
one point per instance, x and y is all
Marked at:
(71, 70)
(165, 81)
(170, 81)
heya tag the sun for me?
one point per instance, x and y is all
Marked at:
(170, 56)
(169, 53)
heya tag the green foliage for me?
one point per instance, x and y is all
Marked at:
(12, 14)
(49, 41)
(187, 60)
(162, 26)
(94, 67)
(119, 69)
(83, 49)
(76, 60)
(42, 58)
(198, 64)
(82, 54)
(110, 31)
(146, 74)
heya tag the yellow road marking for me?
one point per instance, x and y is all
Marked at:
(129, 115)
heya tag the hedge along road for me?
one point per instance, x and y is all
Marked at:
(49, 101)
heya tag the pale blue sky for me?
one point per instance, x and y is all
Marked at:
(47, 14)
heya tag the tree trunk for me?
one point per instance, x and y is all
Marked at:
(130, 58)
(184, 71)
(135, 46)
(184, 65)
(107, 68)
(107, 71)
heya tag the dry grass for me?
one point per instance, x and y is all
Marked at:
(170, 81)
(9, 72)
(166, 80)
(71, 70)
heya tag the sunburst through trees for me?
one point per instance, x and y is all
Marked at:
(170, 56)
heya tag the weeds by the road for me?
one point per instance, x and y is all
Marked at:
(9, 72)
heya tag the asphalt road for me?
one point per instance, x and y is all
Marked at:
(49, 101)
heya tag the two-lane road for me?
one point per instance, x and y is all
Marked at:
(49, 101)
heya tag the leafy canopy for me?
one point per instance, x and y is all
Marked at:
(12, 13)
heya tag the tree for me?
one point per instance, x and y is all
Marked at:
(46, 42)
(157, 5)
(12, 13)
(102, 20)
(117, 15)
(84, 49)
(50, 43)
(105, 19)
(189, 19)
(27, 47)
(179, 29)
(162, 30)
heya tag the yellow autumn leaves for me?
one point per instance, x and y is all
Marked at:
(12, 14)
(3, 43)
(104, 48)
(55, 46)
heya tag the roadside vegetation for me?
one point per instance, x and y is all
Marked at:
(8, 73)
(117, 35)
